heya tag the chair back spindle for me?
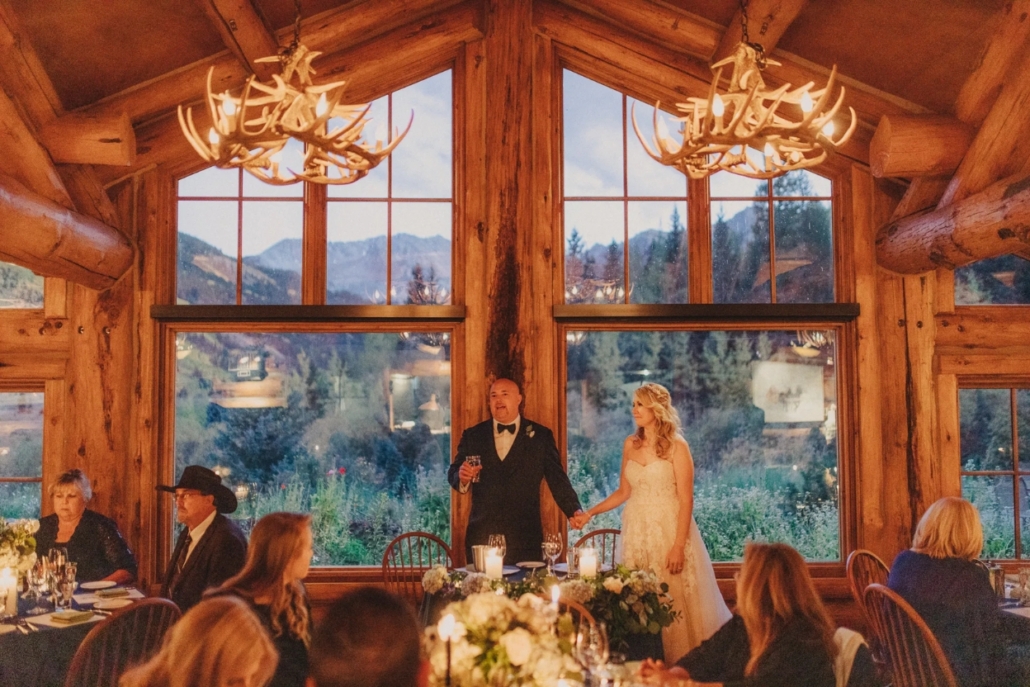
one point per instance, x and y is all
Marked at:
(408, 557)
(605, 542)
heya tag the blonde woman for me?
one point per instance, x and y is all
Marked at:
(218, 643)
(658, 529)
(781, 636)
(939, 577)
(278, 559)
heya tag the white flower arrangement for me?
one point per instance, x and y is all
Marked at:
(18, 544)
(499, 642)
(435, 578)
(476, 583)
(579, 591)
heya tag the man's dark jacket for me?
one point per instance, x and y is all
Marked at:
(506, 499)
(219, 555)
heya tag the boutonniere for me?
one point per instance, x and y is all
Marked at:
(530, 432)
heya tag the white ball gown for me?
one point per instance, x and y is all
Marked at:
(648, 533)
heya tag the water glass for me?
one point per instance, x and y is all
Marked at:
(550, 548)
(591, 646)
(71, 569)
(1023, 590)
(66, 589)
(474, 462)
(58, 556)
(496, 541)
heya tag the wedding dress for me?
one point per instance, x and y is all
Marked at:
(648, 533)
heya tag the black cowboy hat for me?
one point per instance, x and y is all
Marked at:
(206, 482)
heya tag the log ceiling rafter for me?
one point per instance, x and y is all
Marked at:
(245, 33)
(767, 22)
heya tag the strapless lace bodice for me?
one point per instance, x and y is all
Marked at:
(656, 480)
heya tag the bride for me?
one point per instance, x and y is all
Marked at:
(658, 528)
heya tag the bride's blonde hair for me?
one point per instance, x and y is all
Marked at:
(657, 399)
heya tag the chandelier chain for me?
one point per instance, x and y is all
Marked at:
(285, 54)
(745, 38)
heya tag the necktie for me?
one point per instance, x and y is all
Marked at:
(183, 554)
(501, 429)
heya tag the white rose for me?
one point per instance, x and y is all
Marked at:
(614, 585)
(518, 644)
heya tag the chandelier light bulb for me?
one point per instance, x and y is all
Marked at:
(828, 129)
(212, 137)
(718, 108)
(322, 106)
(806, 102)
(228, 105)
(769, 150)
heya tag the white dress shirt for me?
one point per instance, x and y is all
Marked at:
(504, 440)
(197, 532)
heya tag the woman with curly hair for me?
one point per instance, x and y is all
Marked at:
(658, 529)
(278, 559)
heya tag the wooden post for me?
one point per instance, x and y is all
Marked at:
(91, 140)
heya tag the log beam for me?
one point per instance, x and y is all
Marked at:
(994, 222)
(918, 145)
(245, 33)
(90, 140)
(57, 242)
(767, 21)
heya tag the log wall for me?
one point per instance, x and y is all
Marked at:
(99, 355)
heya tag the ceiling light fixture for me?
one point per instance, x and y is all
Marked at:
(253, 130)
(790, 128)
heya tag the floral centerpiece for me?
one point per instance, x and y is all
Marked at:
(499, 642)
(455, 584)
(18, 544)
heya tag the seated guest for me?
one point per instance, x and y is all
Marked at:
(211, 548)
(939, 577)
(92, 540)
(277, 560)
(369, 638)
(781, 635)
(218, 643)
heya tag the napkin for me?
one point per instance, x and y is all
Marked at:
(69, 617)
(112, 593)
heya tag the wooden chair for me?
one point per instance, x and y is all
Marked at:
(408, 557)
(130, 636)
(863, 569)
(578, 612)
(915, 655)
(605, 542)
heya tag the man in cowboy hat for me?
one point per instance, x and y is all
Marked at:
(210, 548)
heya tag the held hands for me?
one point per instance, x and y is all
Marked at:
(579, 520)
(674, 561)
(655, 673)
(466, 472)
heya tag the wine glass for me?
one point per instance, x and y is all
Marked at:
(36, 585)
(591, 646)
(550, 548)
(58, 556)
(496, 541)
(474, 462)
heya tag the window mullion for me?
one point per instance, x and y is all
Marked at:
(313, 262)
(699, 242)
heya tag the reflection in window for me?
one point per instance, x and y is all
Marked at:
(1004, 280)
(20, 287)
(798, 203)
(758, 408)
(21, 454)
(995, 445)
(625, 214)
(351, 427)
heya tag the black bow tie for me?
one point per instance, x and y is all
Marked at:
(505, 428)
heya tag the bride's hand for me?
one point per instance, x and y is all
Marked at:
(674, 561)
(579, 520)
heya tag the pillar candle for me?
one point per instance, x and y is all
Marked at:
(445, 629)
(9, 588)
(555, 595)
(588, 563)
(494, 564)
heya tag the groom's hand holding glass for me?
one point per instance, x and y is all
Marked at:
(469, 470)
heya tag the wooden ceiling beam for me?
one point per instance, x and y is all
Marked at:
(54, 241)
(767, 21)
(995, 221)
(25, 159)
(89, 140)
(245, 33)
(371, 69)
(918, 145)
(329, 32)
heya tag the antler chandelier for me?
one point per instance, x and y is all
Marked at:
(252, 131)
(793, 128)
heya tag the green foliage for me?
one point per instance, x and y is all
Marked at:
(19, 287)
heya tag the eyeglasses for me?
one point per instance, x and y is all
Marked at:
(181, 495)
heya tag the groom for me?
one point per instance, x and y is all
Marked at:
(516, 454)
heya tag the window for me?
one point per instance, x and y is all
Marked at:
(351, 427)
(1004, 280)
(348, 421)
(995, 446)
(21, 453)
(20, 287)
(758, 393)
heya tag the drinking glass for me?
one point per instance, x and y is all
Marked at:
(66, 589)
(497, 541)
(591, 646)
(1023, 591)
(36, 586)
(550, 548)
(58, 556)
(474, 462)
(71, 569)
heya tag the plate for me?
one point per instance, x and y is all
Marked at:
(560, 567)
(506, 570)
(112, 604)
(529, 565)
(99, 584)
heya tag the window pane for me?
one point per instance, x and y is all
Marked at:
(804, 251)
(291, 158)
(992, 496)
(646, 177)
(1003, 280)
(740, 252)
(985, 419)
(208, 232)
(21, 434)
(594, 232)
(592, 125)
(272, 233)
(729, 185)
(375, 184)
(422, 253)
(422, 162)
(211, 182)
(1023, 420)
(657, 252)
(758, 409)
(20, 287)
(354, 428)
(801, 182)
(356, 253)
(20, 500)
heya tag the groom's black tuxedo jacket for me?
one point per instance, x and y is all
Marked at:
(506, 499)
(219, 555)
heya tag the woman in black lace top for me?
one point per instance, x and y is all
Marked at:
(92, 540)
